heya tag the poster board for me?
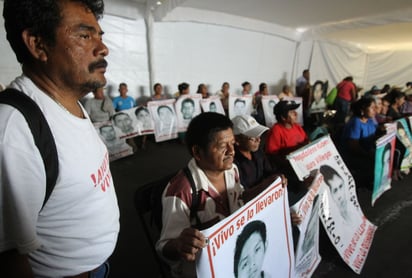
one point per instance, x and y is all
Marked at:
(340, 212)
(240, 105)
(385, 149)
(164, 117)
(116, 147)
(224, 254)
(307, 256)
(187, 107)
(212, 104)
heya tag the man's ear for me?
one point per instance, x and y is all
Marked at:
(196, 152)
(35, 46)
(237, 140)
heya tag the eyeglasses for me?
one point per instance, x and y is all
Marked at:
(254, 139)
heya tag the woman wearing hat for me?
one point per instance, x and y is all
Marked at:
(284, 137)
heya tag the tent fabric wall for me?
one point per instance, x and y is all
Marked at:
(393, 67)
(184, 14)
(191, 50)
(334, 61)
(202, 53)
(303, 57)
(126, 40)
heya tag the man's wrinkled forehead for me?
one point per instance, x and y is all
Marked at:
(223, 136)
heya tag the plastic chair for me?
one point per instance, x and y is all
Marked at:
(148, 203)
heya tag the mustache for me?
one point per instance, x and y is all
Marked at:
(98, 64)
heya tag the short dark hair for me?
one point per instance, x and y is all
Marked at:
(240, 100)
(394, 95)
(199, 87)
(203, 128)
(188, 100)
(248, 230)
(359, 106)
(182, 86)
(41, 18)
(122, 84)
(139, 109)
(156, 85)
(262, 86)
(104, 126)
(245, 83)
(164, 106)
(118, 114)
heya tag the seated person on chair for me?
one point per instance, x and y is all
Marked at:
(210, 141)
(249, 158)
(358, 141)
(283, 138)
(252, 163)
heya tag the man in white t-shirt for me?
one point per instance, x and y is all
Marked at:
(62, 57)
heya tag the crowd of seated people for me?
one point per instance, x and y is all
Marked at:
(370, 115)
(363, 118)
(259, 155)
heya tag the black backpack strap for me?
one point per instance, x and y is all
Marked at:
(43, 138)
(195, 197)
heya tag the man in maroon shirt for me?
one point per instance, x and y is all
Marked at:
(346, 95)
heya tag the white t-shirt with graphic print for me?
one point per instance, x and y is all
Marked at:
(77, 229)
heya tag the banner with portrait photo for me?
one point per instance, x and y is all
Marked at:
(145, 123)
(410, 121)
(318, 101)
(212, 104)
(403, 133)
(164, 117)
(116, 147)
(339, 210)
(125, 123)
(268, 102)
(385, 149)
(255, 241)
(299, 110)
(187, 107)
(240, 105)
(307, 257)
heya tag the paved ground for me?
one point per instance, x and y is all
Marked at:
(390, 255)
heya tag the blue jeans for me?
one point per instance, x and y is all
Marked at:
(101, 272)
(342, 110)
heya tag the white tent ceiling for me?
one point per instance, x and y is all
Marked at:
(371, 23)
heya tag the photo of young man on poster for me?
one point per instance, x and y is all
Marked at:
(250, 251)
